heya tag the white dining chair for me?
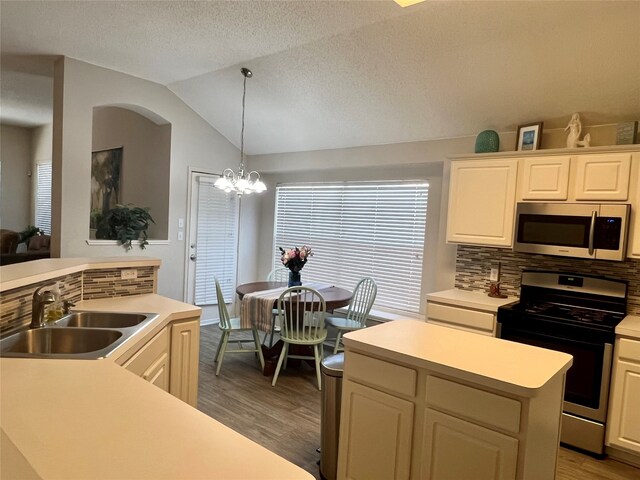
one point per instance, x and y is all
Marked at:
(280, 274)
(229, 326)
(301, 312)
(359, 307)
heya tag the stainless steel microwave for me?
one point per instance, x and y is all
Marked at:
(583, 230)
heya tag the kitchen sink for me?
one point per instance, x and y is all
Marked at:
(59, 341)
(102, 320)
(79, 335)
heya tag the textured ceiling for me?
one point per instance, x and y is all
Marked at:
(349, 73)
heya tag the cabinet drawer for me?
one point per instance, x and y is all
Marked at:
(149, 354)
(461, 316)
(381, 374)
(629, 349)
(474, 404)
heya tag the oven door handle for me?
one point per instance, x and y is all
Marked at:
(592, 231)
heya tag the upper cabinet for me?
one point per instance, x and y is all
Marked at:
(482, 202)
(545, 178)
(603, 177)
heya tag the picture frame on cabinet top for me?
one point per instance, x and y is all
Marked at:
(529, 137)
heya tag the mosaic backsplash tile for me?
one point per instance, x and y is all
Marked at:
(473, 265)
(107, 283)
(15, 305)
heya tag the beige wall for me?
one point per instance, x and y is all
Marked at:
(78, 87)
(15, 154)
(146, 160)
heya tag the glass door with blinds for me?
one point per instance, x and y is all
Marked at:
(43, 197)
(358, 229)
(213, 242)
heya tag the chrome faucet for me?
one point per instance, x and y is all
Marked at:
(40, 299)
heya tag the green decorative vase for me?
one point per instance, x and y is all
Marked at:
(487, 141)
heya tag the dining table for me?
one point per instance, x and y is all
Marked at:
(334, 297)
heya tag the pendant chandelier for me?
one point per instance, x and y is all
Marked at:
(241, 182)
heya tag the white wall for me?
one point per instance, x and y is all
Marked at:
(146, 160)
(15, 154)
(78, 87)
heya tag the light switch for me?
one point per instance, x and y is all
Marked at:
(180, 235)
(493, 277)
(181, 224)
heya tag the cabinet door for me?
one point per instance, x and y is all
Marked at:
(545, 178)
(488, 455)
(185, 349)
(375, 434)
(603, 177)
(633, 249)
(151, 362)
(624, 410)
(482, 202)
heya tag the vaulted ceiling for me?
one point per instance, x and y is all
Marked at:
(332, 74)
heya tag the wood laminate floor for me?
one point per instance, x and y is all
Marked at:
(286, 418)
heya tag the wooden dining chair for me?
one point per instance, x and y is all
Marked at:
(359, 307)
(301, 312)
(229, 326)
(276, 275)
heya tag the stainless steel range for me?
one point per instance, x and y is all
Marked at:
(575, 314)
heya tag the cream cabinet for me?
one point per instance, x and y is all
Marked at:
(400, 421)
(380, 445)
(185, 346)
(545, 178)
(466, 319)
(623, 425)
(491, 455)
(151, 362)
(602, 176)
(482, 202)
(633, 248)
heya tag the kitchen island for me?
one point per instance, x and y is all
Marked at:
(431, 402)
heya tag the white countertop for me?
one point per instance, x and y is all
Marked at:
(470, 299)
(27, 273)
(507, 366)
(79, 419)
(629, 326)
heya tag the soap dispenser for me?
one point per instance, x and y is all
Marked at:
(54, 311)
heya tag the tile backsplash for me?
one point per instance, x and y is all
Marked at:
(15, 305)
(473, 265)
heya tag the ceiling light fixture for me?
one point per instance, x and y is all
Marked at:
(241, 182)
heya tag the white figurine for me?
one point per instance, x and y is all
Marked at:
(575, 129)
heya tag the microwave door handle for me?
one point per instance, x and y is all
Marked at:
(592, 231)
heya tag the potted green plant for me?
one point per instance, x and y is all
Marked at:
(29, 232)
(125, 223)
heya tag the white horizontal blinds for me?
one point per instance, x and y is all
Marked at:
(43, 197)
(358, 229)
(216, 242)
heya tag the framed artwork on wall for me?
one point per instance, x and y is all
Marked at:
(106, 182)
(529, 136)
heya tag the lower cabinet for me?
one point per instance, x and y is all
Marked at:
(623, 426)
(442, 428)
(151, 362)
(461, 318)
(379, 445)
(170, 360)
(185, 346)
(487, 454)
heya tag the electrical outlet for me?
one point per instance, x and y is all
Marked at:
(494, 275)
(181, 223)
(129, 274)
(180, 235)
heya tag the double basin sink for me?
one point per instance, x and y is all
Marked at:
(81, 335)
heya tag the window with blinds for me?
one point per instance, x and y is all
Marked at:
(216, 242)
(358, 229)
(43, 197)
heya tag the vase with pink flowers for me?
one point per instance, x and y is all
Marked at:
(294, 259)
